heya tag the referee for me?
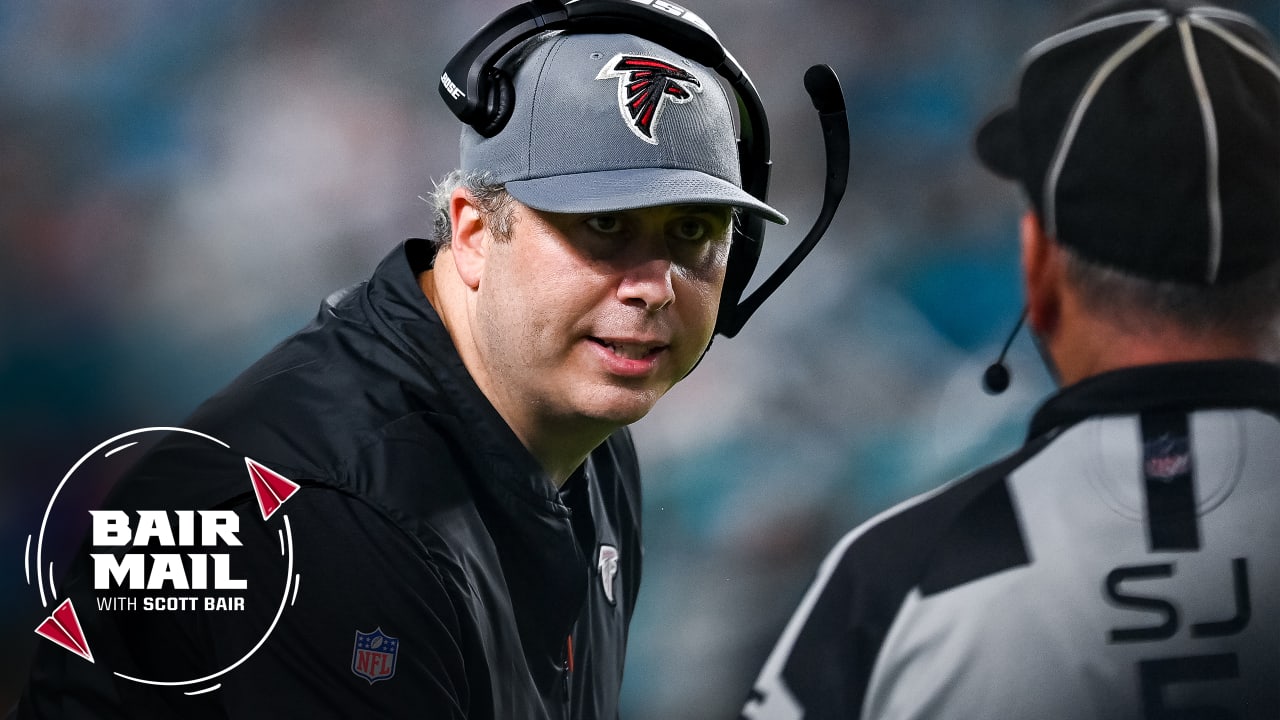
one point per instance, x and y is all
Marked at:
(1124, 562)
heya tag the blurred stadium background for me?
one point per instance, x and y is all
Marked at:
(183, 181)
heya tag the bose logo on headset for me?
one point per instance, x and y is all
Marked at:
(676, 10)
(450, 87)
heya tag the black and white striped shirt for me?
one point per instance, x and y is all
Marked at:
(1124, 563)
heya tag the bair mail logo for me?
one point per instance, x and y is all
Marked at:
(173, 560)
(178, 571)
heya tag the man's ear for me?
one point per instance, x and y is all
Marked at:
(470, 237)
(1042, 270)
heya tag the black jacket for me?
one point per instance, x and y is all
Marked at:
(421, 522)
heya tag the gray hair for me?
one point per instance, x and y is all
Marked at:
(492, 199)
(1248, 308)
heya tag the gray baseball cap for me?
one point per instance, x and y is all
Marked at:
(603, 123)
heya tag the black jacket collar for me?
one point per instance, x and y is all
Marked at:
(1209, 384)
(408, 319)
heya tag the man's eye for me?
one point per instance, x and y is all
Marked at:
(607, 224)
(690, 230)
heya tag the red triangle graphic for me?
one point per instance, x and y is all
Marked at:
(63, 628)
(267, 502)
(66, 617)
(271, 488)
(281, 486)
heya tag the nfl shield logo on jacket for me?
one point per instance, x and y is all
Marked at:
(374, 656)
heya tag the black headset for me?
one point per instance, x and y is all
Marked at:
(481, 94)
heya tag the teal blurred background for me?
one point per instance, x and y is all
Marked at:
(183, 181)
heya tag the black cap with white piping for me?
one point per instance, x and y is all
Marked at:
(1147, 137)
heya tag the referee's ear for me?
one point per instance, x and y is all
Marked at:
(1042, 276)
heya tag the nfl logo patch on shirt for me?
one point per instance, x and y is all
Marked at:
(1167, 457)
(374, 655)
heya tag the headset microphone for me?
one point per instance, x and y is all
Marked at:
(823, 86)
(996, 379)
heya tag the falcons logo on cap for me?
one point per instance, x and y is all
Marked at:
(645, 85)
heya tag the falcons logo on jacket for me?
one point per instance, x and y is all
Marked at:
(645, 85)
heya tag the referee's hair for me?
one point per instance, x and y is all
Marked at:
(1248, 308)
(492, 199)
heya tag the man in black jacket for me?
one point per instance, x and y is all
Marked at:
(1122, 563)
(426, 503)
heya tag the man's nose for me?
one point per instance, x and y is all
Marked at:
(647, 284)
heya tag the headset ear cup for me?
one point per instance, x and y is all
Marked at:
(501, 102)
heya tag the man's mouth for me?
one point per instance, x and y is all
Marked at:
(630, 350)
